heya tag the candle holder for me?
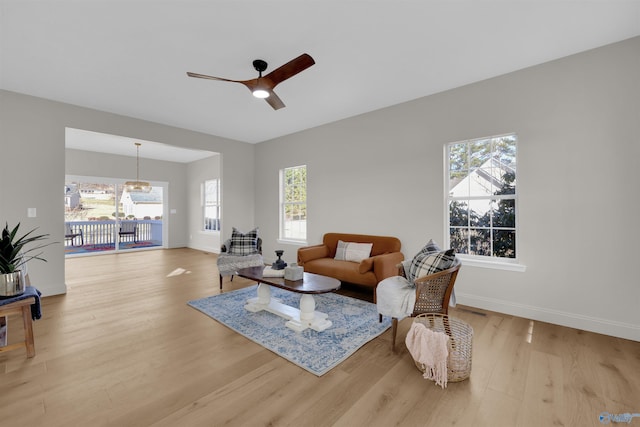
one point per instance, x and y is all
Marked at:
(279, 264)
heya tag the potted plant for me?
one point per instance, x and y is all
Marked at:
(14, 255)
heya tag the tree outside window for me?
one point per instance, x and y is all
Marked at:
(481, 189)
(293, 203)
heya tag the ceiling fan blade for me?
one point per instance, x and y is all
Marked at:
(251, 84)
(273, 100)
(204, 76)
(289, 69)
(271, 80)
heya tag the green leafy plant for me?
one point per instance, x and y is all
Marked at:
(13, 253)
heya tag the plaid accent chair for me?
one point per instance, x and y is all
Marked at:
(242, 250)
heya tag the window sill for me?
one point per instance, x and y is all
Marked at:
(292, 242)
(497, 265)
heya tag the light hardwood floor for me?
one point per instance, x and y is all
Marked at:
(122, 348)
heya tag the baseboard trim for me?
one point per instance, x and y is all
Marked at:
(205, 248)
(572, 320)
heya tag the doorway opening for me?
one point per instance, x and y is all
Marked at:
(97, 167)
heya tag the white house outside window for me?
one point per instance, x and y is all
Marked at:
(293, 203)
(211, 204)
(481, 193)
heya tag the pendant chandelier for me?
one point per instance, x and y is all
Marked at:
(137, 186)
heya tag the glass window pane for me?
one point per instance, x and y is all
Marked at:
(458, 213)
(458, 157)
(480, 182)
(505, 150)
(504, 244)
(480, 242)
(458, 184)
(211, 218)
(294, 214)
(505, 181)
(480, 152)
(504, 213)
(211, 191)
(479, 215)
(458, 240)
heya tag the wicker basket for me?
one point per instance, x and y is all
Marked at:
(460, 344)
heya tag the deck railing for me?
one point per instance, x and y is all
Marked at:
(106, 232)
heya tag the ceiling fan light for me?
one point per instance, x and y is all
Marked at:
(260, 93)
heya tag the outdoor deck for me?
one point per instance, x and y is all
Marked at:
(102, 235)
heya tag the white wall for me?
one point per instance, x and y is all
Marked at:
(577, 121)
(32, 148)
(198, 172)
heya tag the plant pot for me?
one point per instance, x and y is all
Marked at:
(11, 284)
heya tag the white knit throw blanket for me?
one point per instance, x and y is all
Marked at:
(431, 349)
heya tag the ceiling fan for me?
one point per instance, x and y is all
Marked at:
(262, 87)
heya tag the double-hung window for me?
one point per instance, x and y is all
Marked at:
(293, 203)
(481, 195)
(211, 204)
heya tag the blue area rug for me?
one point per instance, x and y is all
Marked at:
(355, 323)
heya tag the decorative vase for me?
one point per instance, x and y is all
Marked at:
(11, 284)
(293, 272)
(279, 264)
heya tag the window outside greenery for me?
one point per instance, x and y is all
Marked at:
(293, 203)
(211, 204)
(481, 189)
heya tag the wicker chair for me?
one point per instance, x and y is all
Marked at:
(433, 293)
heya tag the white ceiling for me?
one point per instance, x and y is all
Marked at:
(131, 57)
